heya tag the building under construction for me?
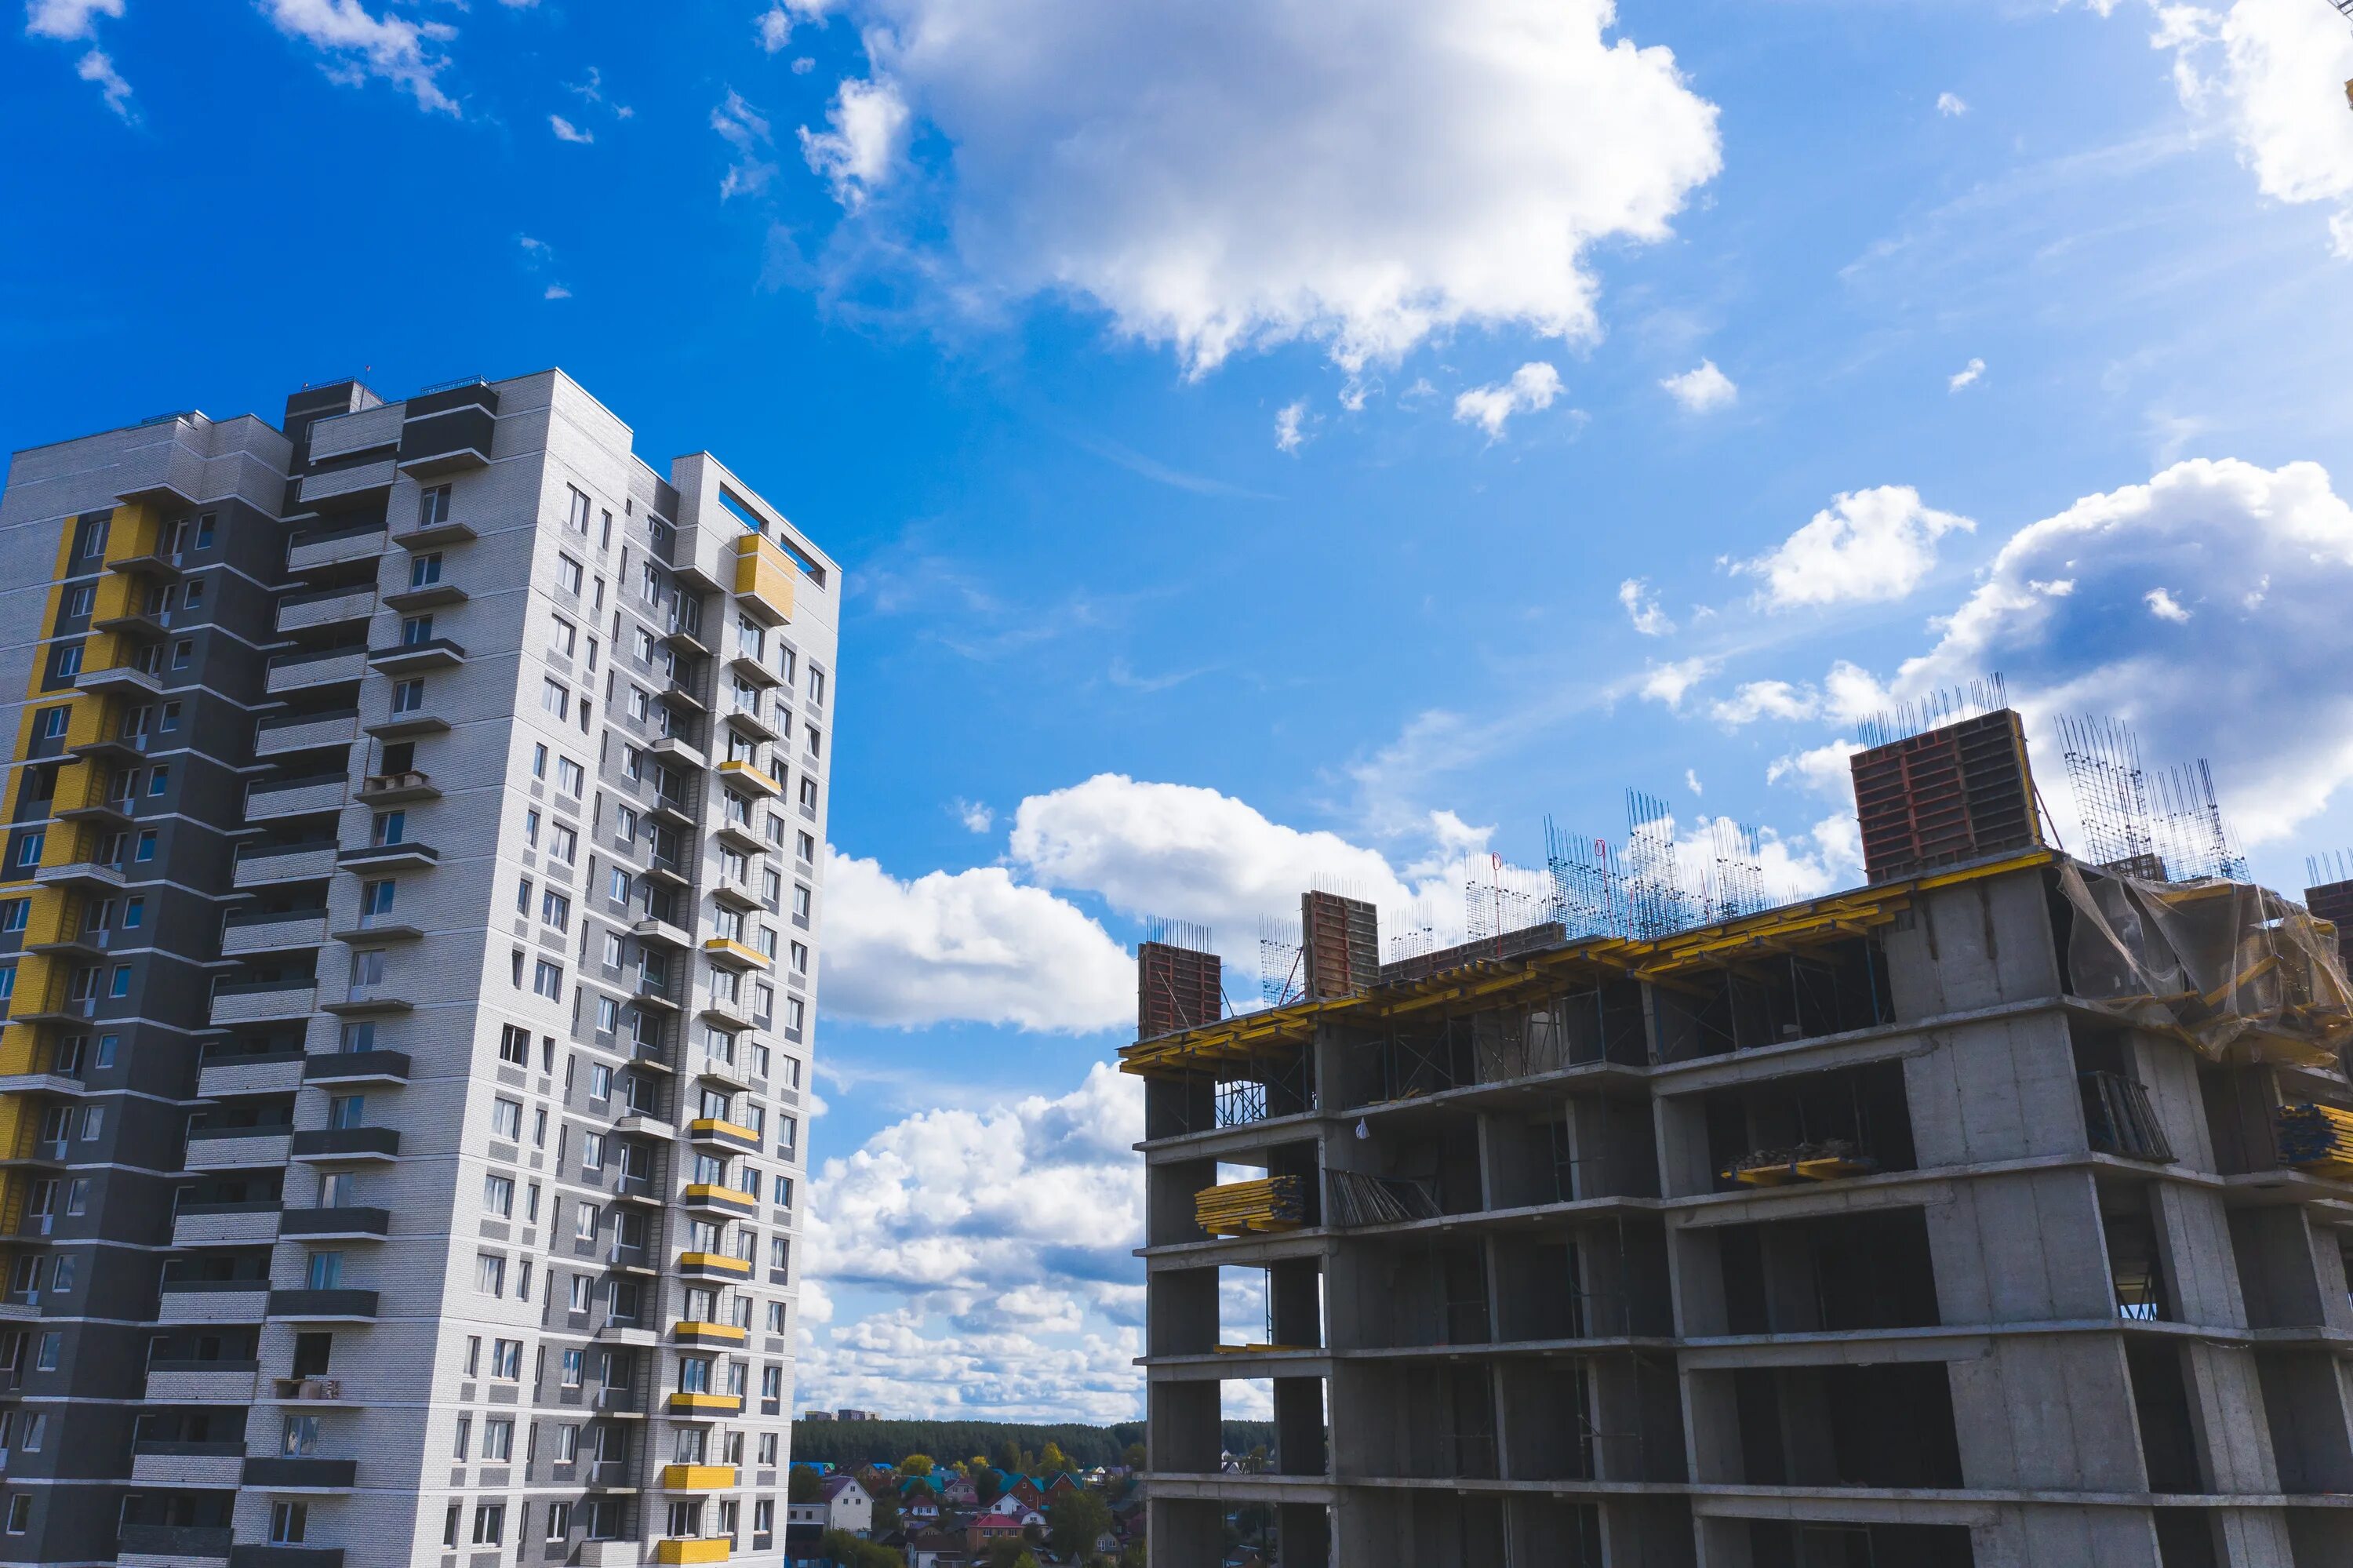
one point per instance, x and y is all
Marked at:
(1991, 1213)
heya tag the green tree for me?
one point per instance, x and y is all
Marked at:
(1051, 1460)
(1132, 1456)
(842, 1547)
(1009, 1552)
(1076, 1522)
(916, 1465)
(1132, 1554)
(1008, 1456)
(886, 1512)
(802, 1485)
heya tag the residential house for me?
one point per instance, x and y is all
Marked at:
(1005, 1519)
(847, 1506)
(937, 1548)
(959, 1492)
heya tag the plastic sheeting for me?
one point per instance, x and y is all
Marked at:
(2235, 970)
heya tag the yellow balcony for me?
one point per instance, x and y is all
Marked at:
(683, 1550)
(690, 1331)
(750, 778)
(697, 1477)
(728, 950)
(719, 1197)
(714, 1263)
(718, 1131)
(764, 578)
(683, 1403)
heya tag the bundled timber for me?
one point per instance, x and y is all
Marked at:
(1240, 1208)
(1357, 1199)
(1825, 1160)
(2316, 1139)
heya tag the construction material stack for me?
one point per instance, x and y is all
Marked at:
(1242, 1208)
(2316, 1139)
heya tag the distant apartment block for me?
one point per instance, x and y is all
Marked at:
(408, 920)
(1993, 1214)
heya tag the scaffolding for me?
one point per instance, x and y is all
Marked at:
(1933, 710)
(1280, 979)
(2164, 826)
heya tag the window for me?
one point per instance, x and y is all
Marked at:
(14, 914)
(323, 1271)
(490, 1519)
(808, 792)
(367, 965)
(780, 1253)
(287, 1520)
(473, 1358)
(20, 1513)
(772, 1382)
(568, 574)
(424, 571)
(800, 958)
(563, 843)
(506, 1115)
(465, 1436)
(776, 1318)
(416, 630)
(783, 1191)
(65, 661)
(805, 849)
(559, 1516)
(514, 1046)
(802, 901)
(575, 512)
(506, 1359)
(570, 777)
(490, 1273)
(812, 741)
(600, 1082)
(82, 601)
(556, 698)
(584, 1220)
(407, 697)
(301, 1436)
(159, 779)
(564, 638)
(389, 828)
(641, 704)
(567, 1443)
(592, 1151)
(375, 899)
(498, 1195)
(624, 825)
(633, 763)
(575, 1365)
(28, 849)
(547, 979)
(555, 909)
(433, 506)
(46, 1358)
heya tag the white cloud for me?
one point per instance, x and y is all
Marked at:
(535, 248)
(95, 67)
(556, 291)
(1533, 386)
(1702, 390)
(67, 18)
(869, 127)
(359, 45)
(975, 817)
(568, 132)
(745, 130)
(1360, 173)
(1288, 434)
(774, 27)
(1642, 608)
(2271, 73)
(1001, 1239)
(1870, 544)
(1951, 105)
(1825, 769)
(1668, 683)
(2260, 690)
(1691, 781)
(1767, 699)
(803, 65)
(1966, 376)
(2163, 605)
(971, 945)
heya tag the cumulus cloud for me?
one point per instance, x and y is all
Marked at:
(67, 18)
(1224, 177)
(2067, 612)
(1766, 699)
(1869, 545)
(1642, 607)
(977, 817)
(774, 27)
(1966, 376)
(1825, 769)
(96, 67)
(745, 130)
(1668, 683)
(1702, 390)
(971, 945)
(1000, 1238)
(359, 45)
(556, 291)
(2163, 605)
(1951, 105)
(1533, 386)
(568, 132)
(858, 153)
(1288, 436)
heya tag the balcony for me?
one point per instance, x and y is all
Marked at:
(342, 488)
(449, 429)
(749, 722)
(316, 547)
(305, 672)
(764, 578)
(712, 1195)
(272, 931)
(86, 876)
(294, 798)
(122, 679)
(744, 776)
(734, 954)
(302, 1475)
(214, 1301)
(324, 1306)
(672, 811)
(306, 1391)
(341, 1225)
(172, 1545)
(201, 1383)
(747, 664)
(397, 789)
(705, 1405)
(347, 1143)
(226, 1076)
(187, 1463)
(713, 1266)
(305, 732)
(263, 1002)
(679, 749)
(697, 1478)
(225, 1224)
(722, 1071)
(682, 1549)
(687, 1332)
(284, 862)
(729, 1012)
(237, 1148)
(414, 658)
(407, 855)
(661, 933)
(738, 835)
(356, 1067)
(348, 435)
(250, 1556)
(330, 607)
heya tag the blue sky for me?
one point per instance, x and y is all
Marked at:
(1282, 441)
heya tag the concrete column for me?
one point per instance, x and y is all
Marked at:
(2045, 1413)
(1184, 1532)
(1979, 944)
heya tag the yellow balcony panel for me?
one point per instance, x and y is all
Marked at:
(764, 578)
(679, 1550)
(715, 1263)
(697, 1477)
(690, 1331)
(714, 1129)
(728, 950)
(712, 1192)
(683, 1403)
(750, 778)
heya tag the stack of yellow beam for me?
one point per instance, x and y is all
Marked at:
(1239, 1208)
(2318, 1140)
(1824, 1161)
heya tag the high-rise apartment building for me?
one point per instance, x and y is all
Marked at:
(1993, 1214)
(409, 919)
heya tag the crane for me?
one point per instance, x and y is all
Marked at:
(2345, 9)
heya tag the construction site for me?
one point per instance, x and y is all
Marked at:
(1993, 1212)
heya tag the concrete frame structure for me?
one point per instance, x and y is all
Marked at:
(2012, 1345)
(408, 923)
